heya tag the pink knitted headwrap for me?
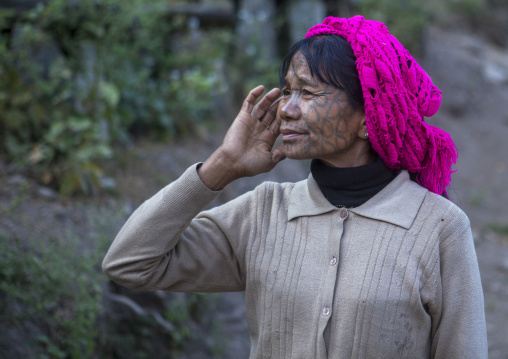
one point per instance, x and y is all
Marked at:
(397, 93)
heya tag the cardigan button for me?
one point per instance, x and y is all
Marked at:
(326, 311)
(333, 261)
(343, 214)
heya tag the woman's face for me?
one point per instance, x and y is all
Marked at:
(317, 121)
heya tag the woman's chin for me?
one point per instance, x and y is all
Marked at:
(296, 156)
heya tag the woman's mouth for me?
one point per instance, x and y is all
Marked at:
(288, 134)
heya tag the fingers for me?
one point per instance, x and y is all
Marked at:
(260, 109)
(270, 114)
(270, 121)
(263, 115)
(251, 98)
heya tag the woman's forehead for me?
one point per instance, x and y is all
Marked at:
(299, 71)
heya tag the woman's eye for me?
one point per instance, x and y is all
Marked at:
(286, 92)
(307, 93)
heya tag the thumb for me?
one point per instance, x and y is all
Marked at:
(278, 154)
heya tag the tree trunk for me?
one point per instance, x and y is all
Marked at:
(282, 27)
(338, 8)
(19, 4)
(303, 15)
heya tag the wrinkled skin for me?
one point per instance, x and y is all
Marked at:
(317, 121)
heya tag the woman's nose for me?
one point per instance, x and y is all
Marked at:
(289, 109)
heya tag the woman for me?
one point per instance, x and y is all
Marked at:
(358, 261)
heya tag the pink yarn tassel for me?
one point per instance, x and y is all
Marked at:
(441, 156)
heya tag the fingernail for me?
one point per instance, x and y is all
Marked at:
(274, 102)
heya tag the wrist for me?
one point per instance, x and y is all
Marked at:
(217, 172)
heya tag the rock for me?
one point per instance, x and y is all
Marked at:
(503, 266)
(108, 183)
(47, 193)
(495, 73)
(17, 180)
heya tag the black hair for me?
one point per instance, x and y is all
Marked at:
(331, 59)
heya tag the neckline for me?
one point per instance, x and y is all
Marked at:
(351, 186)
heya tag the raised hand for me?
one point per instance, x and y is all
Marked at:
(247, 148)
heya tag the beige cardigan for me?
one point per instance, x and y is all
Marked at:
(394, 278)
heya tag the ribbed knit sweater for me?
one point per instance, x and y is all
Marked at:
(396, 277)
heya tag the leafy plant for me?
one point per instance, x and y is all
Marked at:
(81, 77)
(185, 309)
(405, 19)
(55, 284)
(52, 291)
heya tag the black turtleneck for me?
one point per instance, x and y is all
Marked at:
(351, 186)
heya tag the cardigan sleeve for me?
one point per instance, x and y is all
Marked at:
(168, 244)
(460, 329)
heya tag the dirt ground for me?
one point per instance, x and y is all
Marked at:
(473, 77)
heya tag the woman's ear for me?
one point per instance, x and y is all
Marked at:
(362, 130)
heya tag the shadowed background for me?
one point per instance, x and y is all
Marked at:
(103, 102)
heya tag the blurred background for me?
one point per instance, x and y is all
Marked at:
(103, 102)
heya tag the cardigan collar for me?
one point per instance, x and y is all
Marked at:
(398, 203)
(351, 186)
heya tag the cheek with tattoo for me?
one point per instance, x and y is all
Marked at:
(327, 121)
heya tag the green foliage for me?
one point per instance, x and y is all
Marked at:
(141, 336)
(177, 313)
(498, 228)
(405, 19)
(478, 195)
(16, 200)
(131, 339)
(252, 65)
(183, 309)
(78, 77)
(469, 8)
(485, 18)
(54, 284)
(58, 288)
